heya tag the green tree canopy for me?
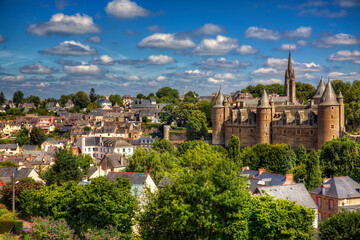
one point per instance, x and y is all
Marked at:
(22, 137)
(92, 95)
(18, 97)
(191, 97)
(91, 106)
(37, 136)
(33, 99)
(344, 225)
(81, 99)
(2, 98)
(205, 107)
(313, 172)
(196, 126)
(167, 115)
(234, 151)
(116, 99)
(289, 161)
(66, 168)
(164, 146)
(301, 154)
(340, 157)
(8, 164)
(182, 113)
(304, 91)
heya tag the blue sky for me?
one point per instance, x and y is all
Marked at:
(49, 48)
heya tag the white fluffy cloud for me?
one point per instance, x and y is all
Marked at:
(216, 81)
(269, 81)
(125, 9)
(340, 75)
(18, 78)
(221, 45)
(2, 39)
(72, 48)
(222, 64)
(103, 60)
(345, 55)
(82, 70)
(94, 39)
(37, 69)
(328, 40)
(161, 78)
(166, 41)
(265, 72)
(150, 60)
(286, 47)
(302, 43)
(61, 24)
(281, 65)
(262, 33)
(246, 50)
(301, 32)
(209, 29)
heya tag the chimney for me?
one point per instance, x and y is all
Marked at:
(261, 170)
(30, 157)
(3, 158)
(244, 168)
(288, 177)
(325, 180)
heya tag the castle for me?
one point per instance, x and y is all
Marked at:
(276, 120)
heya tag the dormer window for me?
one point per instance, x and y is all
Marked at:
(284, 120)
(297, 119)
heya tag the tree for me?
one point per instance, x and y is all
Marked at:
(23, 184)
(84, 162)
(352, 114)
(205, 199)
(168, 94)
(84, 207)
(14, 112)
(22, 137)
(152, 162)
(344, 225)
(313, 173)
(81, 99)
(2, 98)
(33, 99)
(92, 95)
(289, 161)
(196, 126)
(65, 98)
(66, 168)
(91, 106)
(8, 164)
(164, 146)
(304, 91)
(267, 156)
(145, 119)
(301, 154)
(116, 99)
(37, 136)
(340, 157)
(191, 97)
(166, 115)
(87, 128)
(205, 107)
(140, 96)
(280, 219)
(182, 113)
(298, 172)
(234, 151)
(18, 97)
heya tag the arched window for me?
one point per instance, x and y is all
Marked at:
(251, 118)
(297, 119)
(311, 119)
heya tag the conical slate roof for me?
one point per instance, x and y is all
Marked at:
(264, 100)
(340, 95)
(329, 96)
(219, 99)
(320, 89)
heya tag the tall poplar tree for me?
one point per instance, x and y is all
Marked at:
(313, 177)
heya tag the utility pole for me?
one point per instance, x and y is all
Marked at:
(13, 192)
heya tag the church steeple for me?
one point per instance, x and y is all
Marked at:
(289, 61)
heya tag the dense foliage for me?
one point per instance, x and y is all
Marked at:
(44, 229)
(196, 126)
(344, 225)
(81, 99)
(84, 207)
(37, 136)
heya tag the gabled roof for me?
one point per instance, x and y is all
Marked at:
(135, 178)
(339, 187)
(8, 146)
(29, 148)
(270, 178)
(92, 141)
(52, 141)
(293, 192)
(115, 160)
(7, 172)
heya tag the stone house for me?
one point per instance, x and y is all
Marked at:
(335, 195)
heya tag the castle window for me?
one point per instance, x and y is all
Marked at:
(332, 116)
(284, 131)
(284, 120)
(266, 117)
(311, 132)
(298, 131)
(311, 119)
(332, 126)
(297, 119)
(332, 107)
(251, 130)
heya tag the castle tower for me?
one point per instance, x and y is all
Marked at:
(218, 119)
(290, 90)
(263, 119)
(319, 92)
(328, 116)
(340, 99)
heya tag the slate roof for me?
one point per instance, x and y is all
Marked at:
(103, 101)
(92, 141)
(293, 192)
(8, 146)
(115, 142)
(7, 172)
(135, 178)
(329, 96)
(270, 179)
(115, 160)
(52, 141)
(340, 187)
(29, 148)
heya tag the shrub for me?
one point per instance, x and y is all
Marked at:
(8, 236)
(44, 229)
(110, 233)
(18, 227)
